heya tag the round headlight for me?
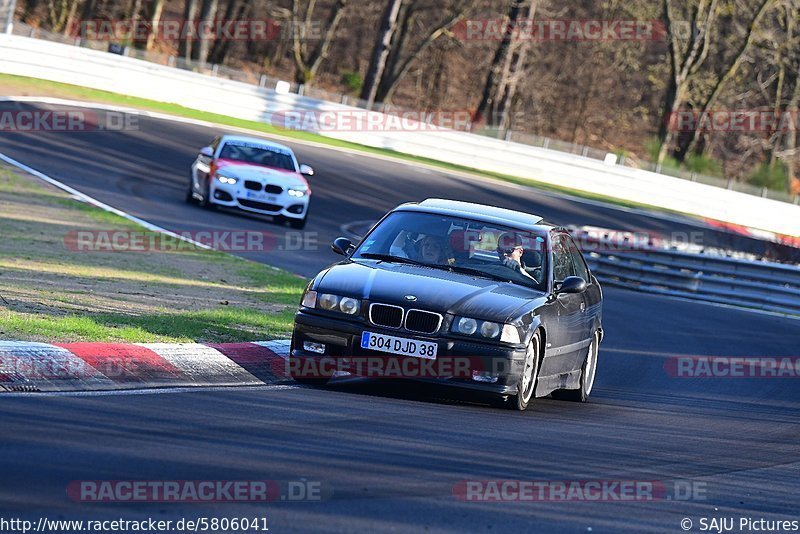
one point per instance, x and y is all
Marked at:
(467, 326)
(348, 305)
(328, 302)
(490, 330)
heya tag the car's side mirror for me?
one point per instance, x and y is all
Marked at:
(306, 170)
(571, 284)
(207, 152)
(342, 246)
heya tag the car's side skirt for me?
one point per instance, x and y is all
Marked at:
(548, 384)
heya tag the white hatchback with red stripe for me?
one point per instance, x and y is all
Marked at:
(253, 175)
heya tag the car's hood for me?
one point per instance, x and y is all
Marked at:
(260, 173)
(434, 289)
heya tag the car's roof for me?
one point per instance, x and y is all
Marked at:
(479, 212)
(255, 140)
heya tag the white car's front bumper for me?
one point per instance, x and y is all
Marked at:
(236, 196)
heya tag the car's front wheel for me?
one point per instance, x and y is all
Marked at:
(309, 372)
(588, 372)
(526, 385)
(190, 191)
(298, 224)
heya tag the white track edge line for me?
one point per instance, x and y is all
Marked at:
(94, 202)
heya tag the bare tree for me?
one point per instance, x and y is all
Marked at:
(186, 43)
(208, 12)
(308, 62)
(400, 59)
(156, 11)
(380, 53)
(233, 11)
(506, 67)
(728, 73)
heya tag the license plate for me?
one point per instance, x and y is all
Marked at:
(261, 196)
(399, 345)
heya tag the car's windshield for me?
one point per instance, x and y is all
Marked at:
(462, 245)
(258, 154)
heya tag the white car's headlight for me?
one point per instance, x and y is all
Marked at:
(298, 191)
(227, 179)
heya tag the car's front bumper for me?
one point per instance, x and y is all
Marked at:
(342, 340)
(234, 196)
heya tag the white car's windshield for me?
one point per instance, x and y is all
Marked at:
(461, 245)
(258, 155)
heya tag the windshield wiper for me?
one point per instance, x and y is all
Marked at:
(391, 259)
(478, 272)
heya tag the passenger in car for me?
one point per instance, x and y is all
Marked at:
(510, 250)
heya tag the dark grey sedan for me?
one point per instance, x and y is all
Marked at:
(462, 294)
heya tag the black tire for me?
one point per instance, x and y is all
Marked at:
(300, 375)
(526, 386)
(314, 382)
(588, 373)
(190, 192)
(206, 202)
(298, 224)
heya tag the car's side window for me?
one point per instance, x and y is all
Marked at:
(577, 259)
(563, 266)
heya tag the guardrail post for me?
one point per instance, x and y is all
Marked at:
(263, 81)
(301, 89)
(215, 69)
(585, 151)
(171, 61)
(546, 142)
(10, 20)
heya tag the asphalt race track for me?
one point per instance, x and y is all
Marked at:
(392, 457)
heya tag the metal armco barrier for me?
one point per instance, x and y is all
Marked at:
(753, 284)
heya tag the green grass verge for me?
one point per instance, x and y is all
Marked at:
(55, 294)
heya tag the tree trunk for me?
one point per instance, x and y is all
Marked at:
(155, 22)
(307, 65)
(380, 52)
(397, 67)
(506, 69)
(729, 73)
(207, 15)
(221, 46)
(187, 44)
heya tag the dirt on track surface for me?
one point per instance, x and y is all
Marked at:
(50, 289)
